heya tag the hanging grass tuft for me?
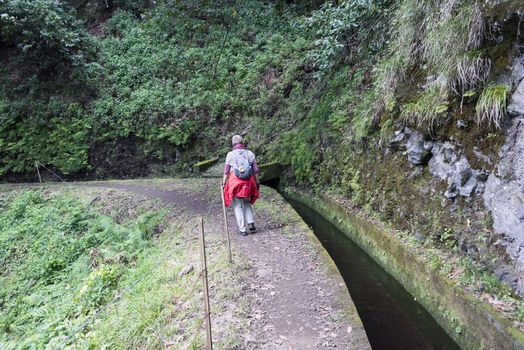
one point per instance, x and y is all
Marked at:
(472, 72)
(491, 106)
(440, 40)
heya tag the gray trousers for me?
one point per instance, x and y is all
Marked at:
(243, 212)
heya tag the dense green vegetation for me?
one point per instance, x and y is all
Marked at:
(96, 268)
(48, 244)
(141, 83)
(63, 261)
(139, 87)
(133, 88)
(421, 63)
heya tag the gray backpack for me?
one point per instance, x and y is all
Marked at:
(242, 167)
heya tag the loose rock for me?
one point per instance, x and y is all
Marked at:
(461, 124)
(419, 150)
(398, 141)
(448, 165)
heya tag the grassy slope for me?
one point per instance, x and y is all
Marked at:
(70, 252)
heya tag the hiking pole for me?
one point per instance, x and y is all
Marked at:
(226, 226)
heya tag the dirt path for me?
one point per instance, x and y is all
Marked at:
(296, 301)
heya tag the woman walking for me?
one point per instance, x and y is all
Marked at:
(241, 184)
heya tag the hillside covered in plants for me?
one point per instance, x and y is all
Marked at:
(409, 110)
(96, 267)
(86, 84)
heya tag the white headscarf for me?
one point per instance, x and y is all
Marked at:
(236, 139)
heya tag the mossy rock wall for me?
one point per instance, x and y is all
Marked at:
(204, 165)
(472, 323)
(270, 171)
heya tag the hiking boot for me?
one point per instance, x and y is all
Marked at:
(243, 234)
(251, 227)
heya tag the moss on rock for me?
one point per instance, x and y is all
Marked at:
(205, 164)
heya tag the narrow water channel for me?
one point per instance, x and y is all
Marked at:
(392, 318)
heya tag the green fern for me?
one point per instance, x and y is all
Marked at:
(427, 109)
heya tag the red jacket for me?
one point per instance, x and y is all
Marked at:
(236, 187)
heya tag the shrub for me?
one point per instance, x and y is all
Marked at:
(339, 28)
(96, 288)
(44, 31)
(472, 72)
(405, 45)
(61, 141)
(439, 41)
(456, 28)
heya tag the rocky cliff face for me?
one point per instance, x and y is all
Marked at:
(477, 183)
(504, 194)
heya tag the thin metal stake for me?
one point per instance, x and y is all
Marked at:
(206, 288)
(226, 226)
(55, 174)
(38, 172)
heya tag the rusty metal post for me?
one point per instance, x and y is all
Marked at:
(206, 287)
(226, 226)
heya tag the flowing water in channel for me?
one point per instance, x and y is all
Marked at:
(391, 316)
